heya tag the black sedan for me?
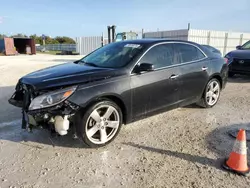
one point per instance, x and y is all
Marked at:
(239, 60)
(117, 84)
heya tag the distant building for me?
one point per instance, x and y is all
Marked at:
(13, 46)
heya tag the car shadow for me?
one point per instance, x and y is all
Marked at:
(239, 79)
(10, 127)
(221, 142)
(192, 106)
(185, 156)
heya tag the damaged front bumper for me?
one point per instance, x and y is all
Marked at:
(55, 118)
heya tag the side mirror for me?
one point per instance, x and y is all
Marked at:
(145, 67)
(238, 47)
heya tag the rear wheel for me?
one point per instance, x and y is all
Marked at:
(211, 94)
(100, 124)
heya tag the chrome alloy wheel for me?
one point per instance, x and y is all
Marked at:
(213, 93)
(102, 124)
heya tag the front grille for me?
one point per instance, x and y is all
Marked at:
(242, 61)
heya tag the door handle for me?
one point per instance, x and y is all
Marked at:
(204, 68)
(174, 76)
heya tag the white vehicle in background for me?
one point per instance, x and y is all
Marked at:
(126, 36)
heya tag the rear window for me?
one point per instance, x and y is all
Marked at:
(187, 53)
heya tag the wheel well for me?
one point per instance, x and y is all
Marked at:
(218, 78)
(121, 104)
(114, 99)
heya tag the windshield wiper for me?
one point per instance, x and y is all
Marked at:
(87, 63)
(90, 64)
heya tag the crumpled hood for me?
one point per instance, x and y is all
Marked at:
(240, 54)
(66, 74)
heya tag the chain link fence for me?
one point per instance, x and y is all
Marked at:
(57, 47)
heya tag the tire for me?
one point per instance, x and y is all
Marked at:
(230, 74)
(98, 125)
(214, 93)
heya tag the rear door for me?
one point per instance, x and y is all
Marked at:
(194, 68)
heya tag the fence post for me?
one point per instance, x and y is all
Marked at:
(208, 37)
(225, 44)
(241, 39)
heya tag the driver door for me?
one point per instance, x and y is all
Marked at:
(158, 89)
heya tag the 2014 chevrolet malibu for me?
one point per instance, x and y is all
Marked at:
(118, 84)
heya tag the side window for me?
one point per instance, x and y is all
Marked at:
(186, 53)
(160, 56)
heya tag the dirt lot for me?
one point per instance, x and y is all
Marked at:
(180, 148)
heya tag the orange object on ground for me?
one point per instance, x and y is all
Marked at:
(237, 161)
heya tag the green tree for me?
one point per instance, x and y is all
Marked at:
(37, 39)
(65, 40)
(19, 35)
(49, 40)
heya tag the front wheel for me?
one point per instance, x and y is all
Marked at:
(211, 94)
(100, 124)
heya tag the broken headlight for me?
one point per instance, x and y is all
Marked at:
(51, 98)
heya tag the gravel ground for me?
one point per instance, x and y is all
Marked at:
(181, 148)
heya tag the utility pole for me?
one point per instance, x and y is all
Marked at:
(102, 40)
(113, 27)
(109, 34)
(43, 38)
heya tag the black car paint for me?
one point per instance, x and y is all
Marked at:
(148, 93)
(139, 95)
(239, 61)
(66, 74)
(213, 49)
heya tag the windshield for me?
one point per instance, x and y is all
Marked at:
(246, 46)
(114, 55)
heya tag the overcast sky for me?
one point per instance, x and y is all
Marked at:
(91, 17)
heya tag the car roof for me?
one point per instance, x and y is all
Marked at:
(155, 41)
(150, 42)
